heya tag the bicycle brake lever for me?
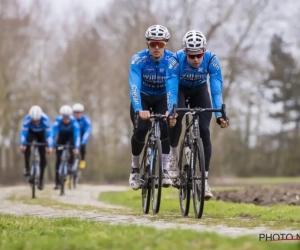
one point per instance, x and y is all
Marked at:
(224, 111)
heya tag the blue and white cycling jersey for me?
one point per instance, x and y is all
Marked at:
(85, 128)
(60, 128)
(44, 125)
(180, 72)
(147, 76)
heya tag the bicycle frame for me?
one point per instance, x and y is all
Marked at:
(151, 182)
(192, 150)
(154, 133)
(34, 177)
(63, 166)
(35, 165)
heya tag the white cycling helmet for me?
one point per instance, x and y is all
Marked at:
(35, 113)
(66, 110)
(78, 107)
(194, 40)
(157, 32)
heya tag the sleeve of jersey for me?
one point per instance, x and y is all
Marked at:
(87, 131)
(135, 80)
(48, 132)
(216, 84)
(24, 132)
(172, 81)
(76, 134)
(55, 130)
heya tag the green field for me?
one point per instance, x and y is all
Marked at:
(215, 212)
(28, 233)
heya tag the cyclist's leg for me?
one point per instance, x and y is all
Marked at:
(201, 98)
(174, 135)
(41, 138)
(60, 140)
(30, 138)
(82, 152)
(160, 107)
(71, 158)
(82, 156)
(137, 144)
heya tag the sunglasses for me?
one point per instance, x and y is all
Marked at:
(159, 44)
(196, 56)
(66, 117)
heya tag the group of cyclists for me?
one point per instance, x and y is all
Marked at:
(71, 126)
(159, 78)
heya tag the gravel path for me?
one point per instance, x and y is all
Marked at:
(88, 194)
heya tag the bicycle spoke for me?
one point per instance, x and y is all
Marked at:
(182, 182)
(156, 176)
(198, 178)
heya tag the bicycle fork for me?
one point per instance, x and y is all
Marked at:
(152, 145)
(35, 167)
(63, 167)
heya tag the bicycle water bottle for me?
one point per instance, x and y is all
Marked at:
(187, 151)
(148, 156)
(196, 128)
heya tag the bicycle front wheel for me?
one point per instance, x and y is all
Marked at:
(74, 180)
(198, 177)
(62, 178)
(184, 187)
(33, 180)
(156, 175)
(145, 181)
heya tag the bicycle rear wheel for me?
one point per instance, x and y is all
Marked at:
(198, 177)
(74, 180)
(70, 180)
(145, 181)
(156, 175)
(184, 187)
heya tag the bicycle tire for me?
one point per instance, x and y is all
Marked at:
(156, 176)
(145, 182)
(184, 193)
(62, 178)
(33, 184)
(70, 181)
(198, 190)
(74, 180)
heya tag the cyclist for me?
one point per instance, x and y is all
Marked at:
(66, 129)
(147, 76)
(187, 77)
(85, 130)
(36, 126)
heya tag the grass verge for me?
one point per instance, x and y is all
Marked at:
(29, 233)
(229, 214)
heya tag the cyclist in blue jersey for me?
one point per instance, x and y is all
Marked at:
(85, 130)
(36, 126)
(65, 130)
(147, 85)
(187, 77)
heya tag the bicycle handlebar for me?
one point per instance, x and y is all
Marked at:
(200, 110)
(152, 116)
(37, 144)
(63, 146)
